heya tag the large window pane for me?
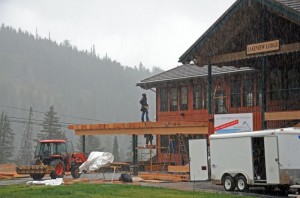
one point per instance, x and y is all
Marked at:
(220, 101)
(173, 99)
(294, 83)
(184, 98)
(258, 93)
(235, 93)
(276, 84)
(197, 97)
(163, 99)
(248, 93)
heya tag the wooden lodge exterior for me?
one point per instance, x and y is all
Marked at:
(248, 61)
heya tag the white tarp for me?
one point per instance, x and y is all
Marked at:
(96, 160)
(51, 182)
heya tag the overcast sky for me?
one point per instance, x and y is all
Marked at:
(154, 32)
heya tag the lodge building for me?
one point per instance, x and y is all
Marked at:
(248, 61)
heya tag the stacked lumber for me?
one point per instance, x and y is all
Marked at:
(7, 167)
(8, 171)
(178, 169)
(7, 175)
(165, 177)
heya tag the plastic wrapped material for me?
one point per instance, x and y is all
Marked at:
(96, 160)
(51, 182)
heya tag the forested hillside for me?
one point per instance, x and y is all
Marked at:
(38, 72)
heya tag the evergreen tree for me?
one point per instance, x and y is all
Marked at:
(6, 139)
(51, 127)
(116, 150)
(92, 143)
(25, 153)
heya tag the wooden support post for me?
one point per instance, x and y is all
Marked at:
(263, 92)
(151, 157)
(209, 87)
(209, 97)
(83, 144)
(134, 149)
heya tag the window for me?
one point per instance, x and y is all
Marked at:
(220, 102)
(248, 93)
(294, 83)
(173, 99)
(235, 93)
(205, 98)
(275, 84)
(258, 93)
(164, 143)
(163, 99)
(197, 97)
(184, 98)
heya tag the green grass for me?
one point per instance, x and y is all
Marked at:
(100, 190)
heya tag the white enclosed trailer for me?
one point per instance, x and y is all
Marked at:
(267, 158)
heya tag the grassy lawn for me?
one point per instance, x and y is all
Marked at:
(100, 190)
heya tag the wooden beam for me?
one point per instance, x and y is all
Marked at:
(179, 169)
(142, 131)
(293, 47)
(165, 176)
(141, 128)
(282, 115)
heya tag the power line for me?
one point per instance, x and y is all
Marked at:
(66, 116)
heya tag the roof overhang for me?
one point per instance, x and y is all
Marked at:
(281, 8)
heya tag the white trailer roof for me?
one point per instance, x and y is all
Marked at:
(292, 130)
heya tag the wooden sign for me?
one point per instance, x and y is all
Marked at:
(263, 47)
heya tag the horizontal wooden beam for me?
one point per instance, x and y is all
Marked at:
(293, 47)
(282, 115)
(141, 128)
(142, 131)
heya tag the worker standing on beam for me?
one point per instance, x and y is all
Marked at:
(144, 107)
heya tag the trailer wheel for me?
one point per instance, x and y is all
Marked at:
(59, 169)
(229, 183)
(241, 183)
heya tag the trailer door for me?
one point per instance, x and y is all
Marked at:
(271, 157)
(198, 159)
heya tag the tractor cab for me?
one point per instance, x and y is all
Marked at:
(49, 149)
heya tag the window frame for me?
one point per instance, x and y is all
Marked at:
(197, 100)
(184, 98)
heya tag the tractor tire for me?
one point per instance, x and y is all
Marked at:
(36, 176)
(59, 169)
(75, 172)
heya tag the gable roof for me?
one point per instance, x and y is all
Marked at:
(287, 8)
(190, 71)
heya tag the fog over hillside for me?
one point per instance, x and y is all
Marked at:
(84, 88)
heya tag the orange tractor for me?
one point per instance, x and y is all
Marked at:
(53, 157)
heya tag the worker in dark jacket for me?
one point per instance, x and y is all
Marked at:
(144, 107)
